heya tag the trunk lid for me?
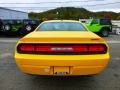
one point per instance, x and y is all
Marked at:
(62, 37)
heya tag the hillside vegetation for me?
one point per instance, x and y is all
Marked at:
(72, 13)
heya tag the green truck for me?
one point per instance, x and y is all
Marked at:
(1, 24)
(11, 27)
(29, 25)
(99, 26)
(18, 27)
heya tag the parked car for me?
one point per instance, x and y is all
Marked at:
(63, 48)
(100, 26)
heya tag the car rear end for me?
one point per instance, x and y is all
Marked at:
(66, 52)
(68, 56)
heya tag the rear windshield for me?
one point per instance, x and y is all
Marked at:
(61, 26)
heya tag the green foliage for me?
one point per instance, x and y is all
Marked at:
(72, 13)
(118, 17)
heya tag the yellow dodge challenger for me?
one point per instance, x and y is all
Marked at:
(62, 47)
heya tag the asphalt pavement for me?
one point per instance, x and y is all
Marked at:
(11, 78)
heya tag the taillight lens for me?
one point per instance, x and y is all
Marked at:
(62, 49)
(27, 48)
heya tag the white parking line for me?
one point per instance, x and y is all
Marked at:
(111, 42)
(8, 41)
(116, 58)
(5, 55)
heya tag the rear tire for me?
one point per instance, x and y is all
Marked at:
(104, 33)
(25, 30)
(6, 27)
(28, 28)
(7, 30)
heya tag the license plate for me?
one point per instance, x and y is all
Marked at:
(61, 73)
(61, 70)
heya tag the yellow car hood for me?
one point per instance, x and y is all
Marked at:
(62, 36)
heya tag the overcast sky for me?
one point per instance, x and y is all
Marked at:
(109, 5)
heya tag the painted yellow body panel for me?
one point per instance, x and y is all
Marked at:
(62, 37)
(70, 64)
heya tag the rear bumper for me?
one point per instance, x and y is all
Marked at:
(47, 70)
(78, 65)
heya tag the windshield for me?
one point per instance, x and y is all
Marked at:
(61, 26)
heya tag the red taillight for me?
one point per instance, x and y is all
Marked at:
(27, 48)
(62, 49)
(39, 48)
(96, 48)
(81, 48)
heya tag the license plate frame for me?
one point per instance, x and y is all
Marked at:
(61, 70)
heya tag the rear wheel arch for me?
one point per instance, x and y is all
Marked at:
(23, 30)
(104, 32)
(105, 28)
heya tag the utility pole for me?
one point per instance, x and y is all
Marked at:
(57, 15)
